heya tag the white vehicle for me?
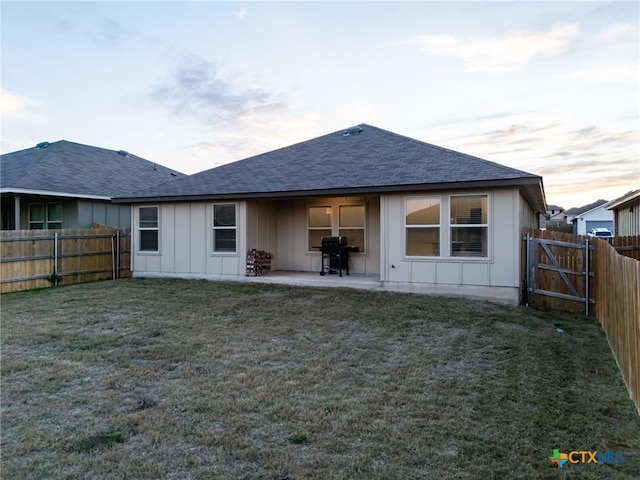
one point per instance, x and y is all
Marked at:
(600, 233)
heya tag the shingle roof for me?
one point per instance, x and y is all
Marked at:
(371, 160)
(77, 170)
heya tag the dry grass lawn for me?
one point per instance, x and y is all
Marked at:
(180, 379)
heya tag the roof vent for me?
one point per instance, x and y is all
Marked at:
(124, 153)
(42, 145)
(352, 131)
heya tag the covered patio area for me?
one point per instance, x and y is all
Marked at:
(359, 281)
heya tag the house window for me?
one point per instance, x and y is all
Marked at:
(224, 228)
(469, 226)
(43, 216)
(36, 216)
(148, 228)
(422, 226)
(54, 216)
(319, 225)
(351, 223)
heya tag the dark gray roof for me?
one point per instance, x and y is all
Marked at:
(368, 159)
(79, 170)
(575, 211)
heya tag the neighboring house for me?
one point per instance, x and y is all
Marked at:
(626, 214)
(595, 217)
(70, 185)
(425, 218)
(554, 217)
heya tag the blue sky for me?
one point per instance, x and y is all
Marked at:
(548, 87)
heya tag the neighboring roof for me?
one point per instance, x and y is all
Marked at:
(628, 199)
(575, 211)
(602, 206)
(71, 169)
(359, 160)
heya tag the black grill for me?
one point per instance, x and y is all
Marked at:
(335, 255)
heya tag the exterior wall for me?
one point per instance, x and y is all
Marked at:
(275, 226)
(76, 213)
(186, 242)
(627, 220)
(528, 217)
(262, 228)
(495, 276)
(292, 237)
(600, 214)
(280, 227)
(102, 213)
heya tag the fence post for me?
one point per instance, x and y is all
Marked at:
(117, 253)
(113, 258)
(55, 259)
(586, 276)
(527, 267)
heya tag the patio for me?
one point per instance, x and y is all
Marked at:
(314, 279)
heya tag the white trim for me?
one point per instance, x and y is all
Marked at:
(24, 191)
(147, 229)
(405, 256)
(215, 252)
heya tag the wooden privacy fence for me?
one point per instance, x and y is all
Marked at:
(618, 310)
(575, 273)
(43, 258)
(627, 246)
(557, 271)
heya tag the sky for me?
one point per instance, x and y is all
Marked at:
(551, 88)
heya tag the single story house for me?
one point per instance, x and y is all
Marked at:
(69, 185)
(424, 218)
(626, 214)
(596, 217)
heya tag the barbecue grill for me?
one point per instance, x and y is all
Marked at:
(335, 255)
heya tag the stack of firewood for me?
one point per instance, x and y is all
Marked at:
(258, 263)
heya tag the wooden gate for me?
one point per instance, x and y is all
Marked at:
(558, 272)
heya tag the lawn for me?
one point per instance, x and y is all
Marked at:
(205, 380)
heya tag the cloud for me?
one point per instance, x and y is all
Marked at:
(198, 89)
(620, 33)
(17, 107)
(500, 53)
(240, 13)
(88, 23)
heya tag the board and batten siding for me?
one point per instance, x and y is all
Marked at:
(495, 276)
(186, 242)
(279, 227)
(292, 234)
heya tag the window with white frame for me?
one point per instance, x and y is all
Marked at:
(469, 226)
(320, 224)
(43, 216)
(224, 228)
(351, 223)
(422, 226)
(148, 228)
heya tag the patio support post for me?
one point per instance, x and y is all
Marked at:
(16, 212)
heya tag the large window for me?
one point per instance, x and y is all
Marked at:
(224, 228)
(148, 228)
(351, 223)
(469, 226)
(422, 226)
(320, 225)
(43, 216)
